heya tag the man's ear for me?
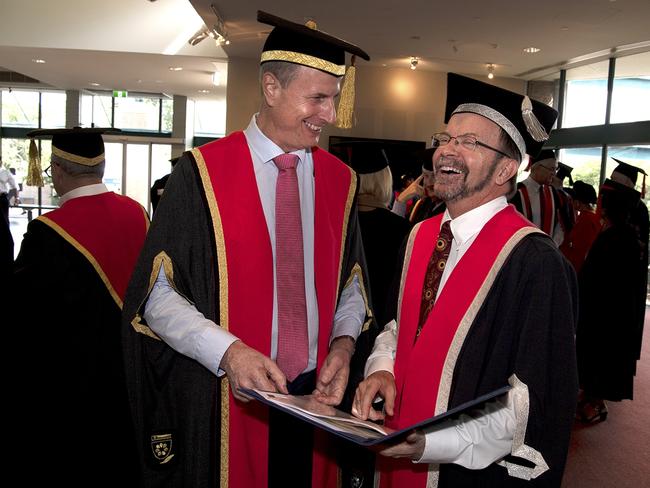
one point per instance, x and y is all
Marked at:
(507, 169)
(271, 88)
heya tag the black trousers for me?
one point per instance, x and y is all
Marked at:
(4, 206)
(291, 441)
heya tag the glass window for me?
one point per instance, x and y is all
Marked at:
(113, 171)
(167, 115)
(53, 109)
(636, 156)
(160, 165)
(137, 173)
(210, 117)
(631, 93)
(586, 95)
(137, 113)
(19, 108)
(96, 109)
(585, 162)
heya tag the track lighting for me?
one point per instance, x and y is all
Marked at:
(490, 70)
(414, 62)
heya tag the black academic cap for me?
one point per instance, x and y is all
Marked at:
(632, 172)
(527, 122)
(425, 158)
(305, 45)
(363, 156)
(564, 171)
(584, 192)
(78, 145)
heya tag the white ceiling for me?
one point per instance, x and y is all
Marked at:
(121, 44)
(462, 35)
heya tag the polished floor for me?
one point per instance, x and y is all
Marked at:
(616, 453)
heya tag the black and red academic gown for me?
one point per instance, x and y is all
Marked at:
(210, 237)
(577, 243)
(556, 207)
(68, 288)
(505, 315)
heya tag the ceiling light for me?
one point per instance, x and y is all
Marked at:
(175, 68)
(204, 91)
(38, 61)
(532, 50)
(94, 83)
(490, 70)
(414, 62)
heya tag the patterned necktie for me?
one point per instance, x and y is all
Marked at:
(435, 268)
(293, 340)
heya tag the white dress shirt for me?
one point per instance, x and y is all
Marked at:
(535, 207)
(477, 439)
(7, 181)
(186, 330)
(83, 191)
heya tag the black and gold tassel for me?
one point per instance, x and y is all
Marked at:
(345, 111)
(34, 170)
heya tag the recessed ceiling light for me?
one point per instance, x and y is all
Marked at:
(38, 61)
(532, 50)
(204, 91)
(175, 68)
(564, 28)
(94, 84)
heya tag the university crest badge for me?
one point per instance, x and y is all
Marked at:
(162, 448)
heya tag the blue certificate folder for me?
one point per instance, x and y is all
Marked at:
(342, 424)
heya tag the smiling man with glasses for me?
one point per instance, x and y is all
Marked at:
(485, 299)
(540, 202)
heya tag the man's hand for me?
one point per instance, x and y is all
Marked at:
(413, 190)
(380, 383)
(333, 376)
(411, 448)
(248, 368)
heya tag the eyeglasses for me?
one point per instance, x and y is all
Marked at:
(553, 170)
(48, 171)
(469, 142)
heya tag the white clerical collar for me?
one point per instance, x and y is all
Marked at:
(470, 223)
(265, 148)
(83, 191)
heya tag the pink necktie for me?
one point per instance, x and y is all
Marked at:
(293, 341)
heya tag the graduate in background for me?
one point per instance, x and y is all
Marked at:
(69, 284)
(158, 186)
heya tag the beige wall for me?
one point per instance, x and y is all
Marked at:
(391, 103)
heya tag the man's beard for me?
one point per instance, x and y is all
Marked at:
(459, 189)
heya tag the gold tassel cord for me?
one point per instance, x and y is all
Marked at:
(345, 111)
(34, 170)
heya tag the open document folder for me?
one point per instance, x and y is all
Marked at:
(362, 432)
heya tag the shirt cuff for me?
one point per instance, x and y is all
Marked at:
(441, 445)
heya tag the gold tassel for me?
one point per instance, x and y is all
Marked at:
(345, 111)
(34, 170)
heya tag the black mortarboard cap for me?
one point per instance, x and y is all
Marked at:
(363, 156)
(527, 122)
(305, 45)
(632, 172)
(425, 158)
(564, 171)
(584, 192)
(78, 145)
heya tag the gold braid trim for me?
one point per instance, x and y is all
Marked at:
(220, 242)
(73, 158)
(77, 245)
(344, 230)
(305, 60)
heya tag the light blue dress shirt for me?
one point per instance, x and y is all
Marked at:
(186, 330)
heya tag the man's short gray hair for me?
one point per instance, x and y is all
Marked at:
(283, 71)
(74, 169)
